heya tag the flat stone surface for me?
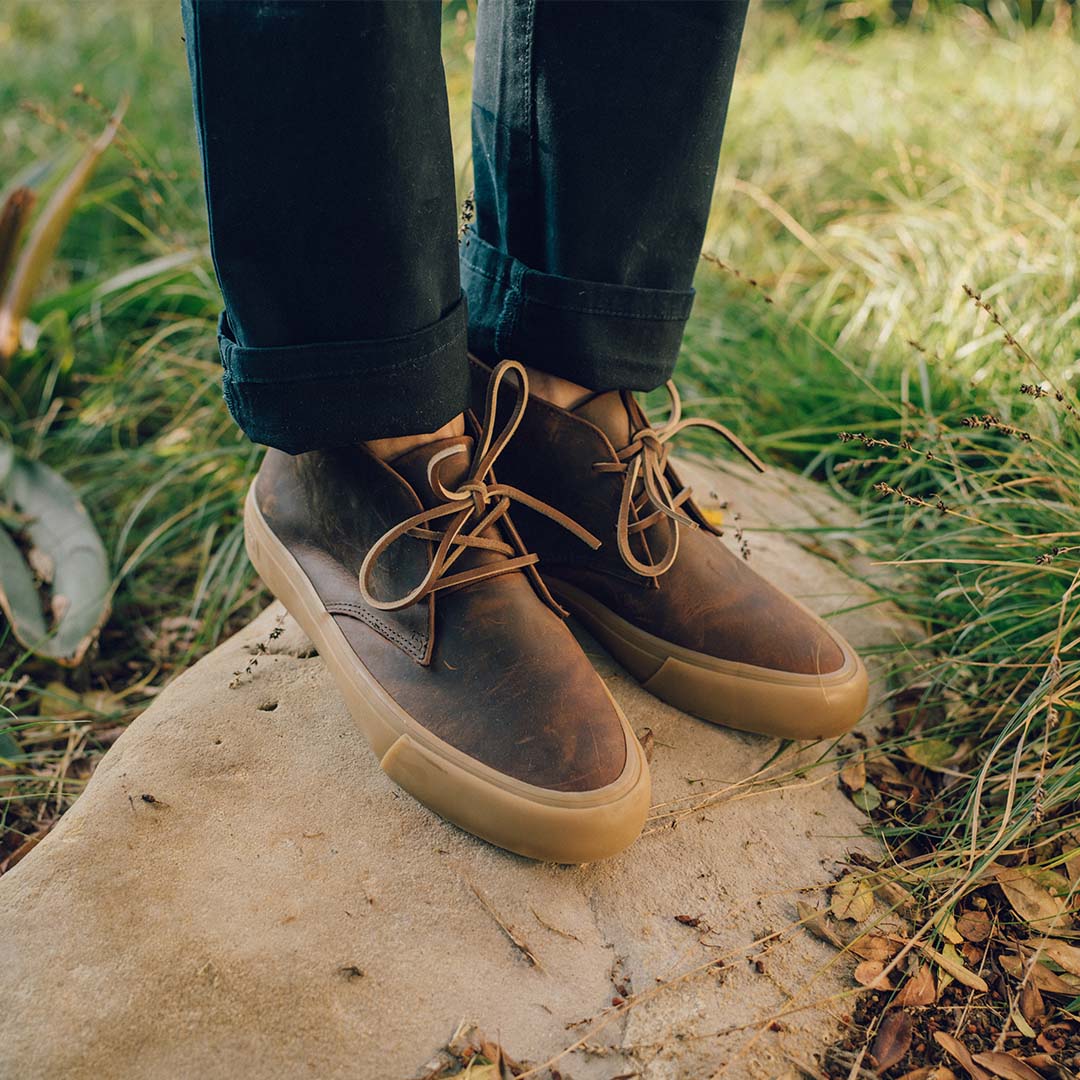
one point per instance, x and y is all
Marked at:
(280, 909)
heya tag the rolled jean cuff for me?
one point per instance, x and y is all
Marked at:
(604, 336)
(319, 396)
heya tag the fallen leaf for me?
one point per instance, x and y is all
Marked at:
(853, 774)
(1032, 1006)
(1007, 1066)
(852, 898)
(919, 989)
(814, 921)
(930, 1072)
(868, 973)
(867, 798)
(930, 752)
(874, 947)
(893, 1039)
(958, 1051)
(1046, 980)
(955, 968)
(1032, 902)
(974, 925)
(947, 928)
(1065, 956)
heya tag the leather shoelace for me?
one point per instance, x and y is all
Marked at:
(645, 457)
(477, 504)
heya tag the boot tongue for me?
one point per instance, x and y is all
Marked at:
(450, 471)
(609, 412)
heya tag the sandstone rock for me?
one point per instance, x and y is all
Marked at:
(241, 893)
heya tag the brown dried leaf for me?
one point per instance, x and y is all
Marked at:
(974, 925)
(959, 1052)
(852, 898)
(1006, 1065)
(868, 973)
(1035, 905)
(1066, 956)
(874, 947)
(955, 968)
(1032, 1006)
(920, 989)
(893, 1039)
(815, 922)
(1046, 980)
(930, 1072)
(853, 775)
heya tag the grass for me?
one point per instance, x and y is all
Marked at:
(862, 186)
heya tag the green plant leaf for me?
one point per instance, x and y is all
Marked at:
(40, 246)
(930, 752)
(867, 798)
(60, 530)
(9, 748)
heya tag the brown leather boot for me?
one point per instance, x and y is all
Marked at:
(688, 618)
(451, 654)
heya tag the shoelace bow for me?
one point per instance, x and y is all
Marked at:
(645, 457)
(478, 503)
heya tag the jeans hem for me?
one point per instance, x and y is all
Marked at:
(605, 336)
(322, 395)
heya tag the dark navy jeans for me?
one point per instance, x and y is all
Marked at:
(329, 181)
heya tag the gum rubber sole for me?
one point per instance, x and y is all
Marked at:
(778, 703)
(553, 826)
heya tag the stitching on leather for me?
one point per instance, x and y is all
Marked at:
(345, 607)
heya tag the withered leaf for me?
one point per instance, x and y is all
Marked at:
(874, 947)
(1006, 1065)
(853, 774)
(868, 973)
(974, 925)
(959, 1053)
(852, 898)
(920, 989)
(955, 968)
(1034, 904)
(1046, 980)
(1066, 956)
(893, 1039)
(1032, 1006)
(815, 922)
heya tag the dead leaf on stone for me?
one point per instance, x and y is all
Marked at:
(852, 899)
(930, 1072)
(1006, 1065)
(949, 961)
(853, 774)
(815, 922)
(868, 973)
(874, 947)
(893, 1039)
(974, 925)
(1032, 902)
(959, 1053)
(920, 989)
